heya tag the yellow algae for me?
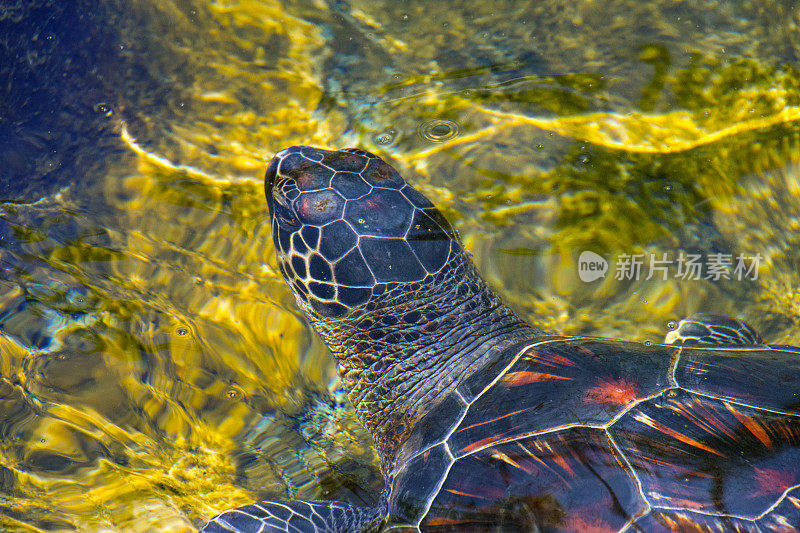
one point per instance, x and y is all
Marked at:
(190, 470)
(220, 97)
(637, 132)
(250, 110)
(13, 355)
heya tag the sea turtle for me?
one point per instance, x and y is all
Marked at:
(483, 423)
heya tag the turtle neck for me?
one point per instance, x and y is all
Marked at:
(408, 348)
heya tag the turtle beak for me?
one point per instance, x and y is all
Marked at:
(276, 201)
(272, 173)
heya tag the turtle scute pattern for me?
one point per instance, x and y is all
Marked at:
(556, 433)
(361, 225)
(601, 436)
(298, 516)
(707, 328)
(590, 435)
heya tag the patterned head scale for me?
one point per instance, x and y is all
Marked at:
(347, 227)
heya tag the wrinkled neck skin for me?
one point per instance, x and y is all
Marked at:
(406, 350)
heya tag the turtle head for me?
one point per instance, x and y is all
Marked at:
(384, 279)
(348, 228)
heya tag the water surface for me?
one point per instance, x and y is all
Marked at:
(153, 367)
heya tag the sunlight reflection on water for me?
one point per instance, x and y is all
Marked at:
(153, 367)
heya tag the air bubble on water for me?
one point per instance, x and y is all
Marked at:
(385, 137)
(233, 394)
(648, 343)
(103, 109)
(671, 325)
(182, 331)
(667, 188)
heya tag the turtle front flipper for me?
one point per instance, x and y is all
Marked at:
(298, 516)
(707, 328)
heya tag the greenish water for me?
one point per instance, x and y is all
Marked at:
(153, 367)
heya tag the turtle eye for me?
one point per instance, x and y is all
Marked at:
(287, 218)
(283, 212)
